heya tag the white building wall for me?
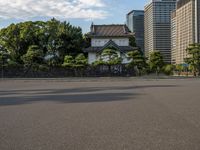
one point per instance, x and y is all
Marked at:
(97, 42)
(125, 59)
(92, 57)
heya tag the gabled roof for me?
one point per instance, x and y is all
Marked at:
(113, 30)
(122, 49)
(110, 43)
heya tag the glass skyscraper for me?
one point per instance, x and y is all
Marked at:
(135, 23)
(157, 20)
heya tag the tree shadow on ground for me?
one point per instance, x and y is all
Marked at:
(75, 98)
(73, 95)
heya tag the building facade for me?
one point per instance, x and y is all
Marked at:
(106, 36)
(135, 23)
(157, 27)
(187, 28)
(173, 37)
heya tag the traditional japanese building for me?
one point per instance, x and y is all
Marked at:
(106, 36)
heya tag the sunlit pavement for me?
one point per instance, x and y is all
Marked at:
(100, 114)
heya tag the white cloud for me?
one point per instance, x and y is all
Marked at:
(63, 9)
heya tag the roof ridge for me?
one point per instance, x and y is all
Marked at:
(110, 25)
(110, 30)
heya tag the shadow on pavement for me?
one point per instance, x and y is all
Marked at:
(74, 95)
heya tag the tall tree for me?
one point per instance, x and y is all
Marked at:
(156, 62)
(4, 57)
(53, 37)
(194, 57)
(33, 58)
(10, 39)
(137, 61)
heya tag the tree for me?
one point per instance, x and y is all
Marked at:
(3, 59)
(54, 38)
(179, 68)
(33, 58)
(168, 69)
(156, 62)
(98, 62)
(63, 38)
(3, 55)
(68, 61)
(10, 40)
(132, 41)
(81, 61)
(110, 57)
(194, 57)
(137, 61)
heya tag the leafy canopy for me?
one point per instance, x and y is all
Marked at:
(194, 57)
(110, 57)
(156, 61)
(52, 37)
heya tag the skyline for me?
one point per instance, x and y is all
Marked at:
(77, 12)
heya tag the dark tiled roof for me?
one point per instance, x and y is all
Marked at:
(109, 31)
(111, 43)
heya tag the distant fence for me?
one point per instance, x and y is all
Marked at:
(54, 72)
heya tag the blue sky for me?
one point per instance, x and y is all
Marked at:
(77, 12)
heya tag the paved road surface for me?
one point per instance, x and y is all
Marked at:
(101, 114)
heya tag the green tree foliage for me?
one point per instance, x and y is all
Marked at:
(168, 69)
(52, 37)
(194, 57)
(68, 61)
(33, 58)
(132, 41)
(4, 57)
(9, 39)
(98, 62)
(87, 41)
(110, 57)
(179, 68)
(156, 62)
(81, 60)
(137, 61)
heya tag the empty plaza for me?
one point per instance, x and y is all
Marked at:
(100, 114)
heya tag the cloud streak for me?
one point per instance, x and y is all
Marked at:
(62, 9)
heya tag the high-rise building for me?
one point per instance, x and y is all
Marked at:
(186, 19)
(135, 23)
(157, 24)
(173, 36)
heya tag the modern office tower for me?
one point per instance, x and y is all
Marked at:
(135, 23)
(187, 28)
(173, 37)
(157, 24)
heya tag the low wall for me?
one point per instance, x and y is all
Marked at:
(99, 71)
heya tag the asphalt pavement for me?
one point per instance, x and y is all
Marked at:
(100, 114)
